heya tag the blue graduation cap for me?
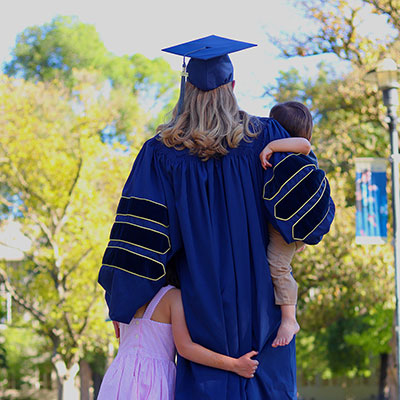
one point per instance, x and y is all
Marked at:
(209, 66)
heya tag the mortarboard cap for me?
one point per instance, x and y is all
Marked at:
(209, 66)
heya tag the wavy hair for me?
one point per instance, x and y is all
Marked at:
(210, 123)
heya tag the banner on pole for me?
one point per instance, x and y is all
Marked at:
(371, 201)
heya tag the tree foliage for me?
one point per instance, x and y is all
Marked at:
(22, 349)
(71, 121)
(65, 182)
(51, 51)
(56, 49)
(338, 28)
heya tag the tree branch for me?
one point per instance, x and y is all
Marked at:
(86, 319)
(74, 267)
(24, 183)
(8, 203)
(69, 328)
(392, 10)
(53, 244)
(63, 216)
(20, 300)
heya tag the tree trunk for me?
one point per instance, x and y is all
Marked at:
(98, 366)
(85, 374)
(383, 385)
(97, 378)
(67, 389)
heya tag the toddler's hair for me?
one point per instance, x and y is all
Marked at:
(294, 117)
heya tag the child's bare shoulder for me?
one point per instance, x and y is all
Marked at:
(174, 292)
(173, 295)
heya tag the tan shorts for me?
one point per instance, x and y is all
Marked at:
(280, 256)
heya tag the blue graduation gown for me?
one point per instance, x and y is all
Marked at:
(211, 217)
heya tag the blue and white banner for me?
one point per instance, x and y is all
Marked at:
(371, 201)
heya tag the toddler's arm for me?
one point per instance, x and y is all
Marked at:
(243, 366)
(293, 145)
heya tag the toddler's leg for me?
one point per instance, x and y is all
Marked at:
(280, 255)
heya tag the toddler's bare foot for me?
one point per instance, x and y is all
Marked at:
(286, 331)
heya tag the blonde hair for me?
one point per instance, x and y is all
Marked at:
(209, 124)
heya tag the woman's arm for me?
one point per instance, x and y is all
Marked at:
(293, 145)
(243, 366)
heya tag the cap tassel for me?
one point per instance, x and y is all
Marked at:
(184, 75)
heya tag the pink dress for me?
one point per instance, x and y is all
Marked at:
(144, 367)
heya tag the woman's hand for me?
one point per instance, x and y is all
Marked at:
(265, 155)
(245, 366)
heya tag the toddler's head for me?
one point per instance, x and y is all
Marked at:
(294, 117)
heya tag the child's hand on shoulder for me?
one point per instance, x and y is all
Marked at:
(265, 155)
(245, 366)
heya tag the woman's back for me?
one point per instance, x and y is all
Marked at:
(216, 212)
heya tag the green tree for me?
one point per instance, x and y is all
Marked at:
(337, 27)
(54, 50)
(65, 124)
(64, 182)
(22, 349)
(51, 51)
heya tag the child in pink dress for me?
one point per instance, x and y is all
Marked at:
(144, 368)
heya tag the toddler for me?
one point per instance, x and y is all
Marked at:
(297, 120)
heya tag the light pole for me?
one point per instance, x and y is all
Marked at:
(386, 76)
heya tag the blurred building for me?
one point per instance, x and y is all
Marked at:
(13, 245)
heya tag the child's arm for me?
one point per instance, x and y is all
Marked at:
(293, 145)
(243, 366)
(116, 329)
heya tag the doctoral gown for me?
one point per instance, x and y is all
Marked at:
(210, 219)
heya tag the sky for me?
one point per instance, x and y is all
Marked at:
(143, 26)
